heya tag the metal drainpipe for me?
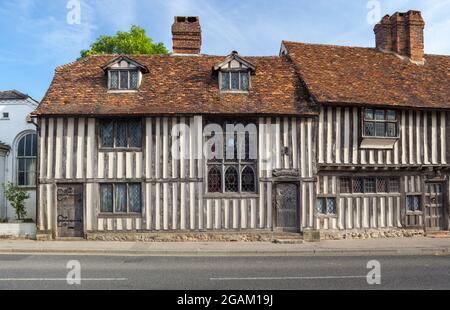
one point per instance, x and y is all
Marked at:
(32, 121)
(5, 169)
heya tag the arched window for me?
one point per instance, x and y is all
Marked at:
(214, 180)
(248, 180)
(26, 160)
(231, 180)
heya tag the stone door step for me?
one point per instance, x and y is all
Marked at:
(287, 241)
(438, 234)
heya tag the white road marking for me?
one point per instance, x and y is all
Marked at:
(61, 279)
(288, 278)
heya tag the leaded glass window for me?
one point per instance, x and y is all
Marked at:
(358, 185)
(331, 206)
(231, 180)
(107, 134)
(248, 180)
(382, 185)
(121, 134)
(114, 80)
(123, 79)
(134, 79)
(120, 198)
(414, 203)
(106, 198)
(26, 160)
(380, 123)
(135, 134)
(346, 185)
(235, 170)
(326, 206)
(215, 180)
(234, 80)
(369, 185)
(134, 197)
(394, 185)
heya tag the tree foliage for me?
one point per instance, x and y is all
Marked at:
(17, 197)
(134, 42)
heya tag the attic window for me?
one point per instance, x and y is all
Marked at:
(123, 80)
(234, 81)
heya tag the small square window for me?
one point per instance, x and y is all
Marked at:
(391, 130)
(380, 129)
(5, 115)
(414, 203)
(369, 129)
(368, 114)
(380, 115)
(326, 206)
(391, 115)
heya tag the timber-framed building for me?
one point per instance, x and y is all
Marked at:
(347, 139)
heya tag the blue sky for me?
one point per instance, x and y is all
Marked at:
(35, 36)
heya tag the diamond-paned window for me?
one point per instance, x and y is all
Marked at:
(331, 206)
(214, 180)
(234, 81)
(231, 180)
(135, 134)
(107, 134)
(134, 198)
(114, 80)
(414, 203)
(120, 198)
(248, 180)
(358, 185)
(382, 185)
(106, 198)
(134, 80)
(326, 206)
(122, 135)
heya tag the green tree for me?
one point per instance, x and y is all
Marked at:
(134, 42)
(17, 197)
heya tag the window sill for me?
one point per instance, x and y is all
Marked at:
(119, 150)
(414, 213)
(119, 215)
(124, 91)
(231, 195)
(327, 216)
(236, 92)
(378, 143)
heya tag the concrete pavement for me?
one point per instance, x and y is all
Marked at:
(403, 247)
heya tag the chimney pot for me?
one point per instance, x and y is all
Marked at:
(187, 35)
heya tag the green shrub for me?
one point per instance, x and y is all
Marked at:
(17, 197)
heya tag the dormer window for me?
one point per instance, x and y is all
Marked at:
(234, 81)
(124, 74)
(235, 74)
(123, 79)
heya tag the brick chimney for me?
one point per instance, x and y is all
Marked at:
(402, 33)
(187, 35)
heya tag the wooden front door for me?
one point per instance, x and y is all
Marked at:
(286, 203)
(434, 206)
(70, 211)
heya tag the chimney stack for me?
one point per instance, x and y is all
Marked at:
(402, 33)
(187, 35)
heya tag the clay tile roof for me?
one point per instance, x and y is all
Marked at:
(174, 85)
(12, 95)
(352, 75)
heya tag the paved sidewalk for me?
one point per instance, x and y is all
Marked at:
(412, 246)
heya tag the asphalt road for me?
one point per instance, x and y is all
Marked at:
(224, 273)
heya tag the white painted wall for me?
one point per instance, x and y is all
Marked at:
(10, 130)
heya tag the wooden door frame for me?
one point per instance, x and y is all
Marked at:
(297, 183)
(83, 189)
(445, 211)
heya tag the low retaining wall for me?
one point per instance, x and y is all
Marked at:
(371, 234)
(18, 231)
(182, 237)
